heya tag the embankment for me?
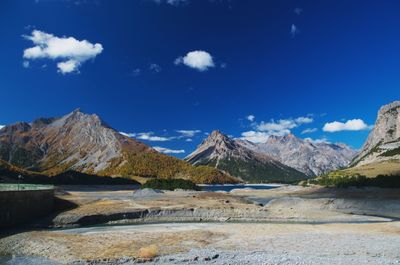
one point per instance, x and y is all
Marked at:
(22, 206)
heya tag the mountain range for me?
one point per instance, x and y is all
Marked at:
(282, 158)
(79, 145)
(84, 143)
(234, 156)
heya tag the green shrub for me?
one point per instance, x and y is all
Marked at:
(170, 184)
(356, 180)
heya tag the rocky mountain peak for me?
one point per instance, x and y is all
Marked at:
(384, 137)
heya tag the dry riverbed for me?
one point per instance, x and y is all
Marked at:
(292, 225)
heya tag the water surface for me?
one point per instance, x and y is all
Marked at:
(230, 187)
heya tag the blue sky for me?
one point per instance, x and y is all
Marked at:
(166, 71)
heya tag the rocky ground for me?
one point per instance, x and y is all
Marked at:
(293, 225)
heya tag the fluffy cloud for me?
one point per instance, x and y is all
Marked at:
(147, 136)
(309, 130)
(261, 131)
(250, 118)
(200, 60)
(168, 151)
(188, 133)
(70, 52)
(255, 137)
(283, 126)
(350, 125)
(2, 126)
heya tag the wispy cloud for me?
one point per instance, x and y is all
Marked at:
(199, 60)
(25, 64)
(294, 30)
(350, 125)
(136, 72)
(318, 141)
(171, 2)
(147, 136)
(168, 151)
(309, 130)
(188, 133)
(298, 11)
(155, 67)
(70, 52)
(250, 117)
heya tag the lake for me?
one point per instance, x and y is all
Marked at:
(229, 187)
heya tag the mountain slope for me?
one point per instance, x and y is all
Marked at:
(84, 143)
(311, 158)
(233, 156)
(383, 143)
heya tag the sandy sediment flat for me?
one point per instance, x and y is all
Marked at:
(295, 225)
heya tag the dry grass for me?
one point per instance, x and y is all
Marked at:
(374, 169)
(149, 252)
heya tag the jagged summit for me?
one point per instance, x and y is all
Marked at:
(310, 158)
(83, 142)
(383, 143)
(76, 141)
(235, 157)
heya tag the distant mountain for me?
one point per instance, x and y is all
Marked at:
(311, 158)
(84, 143)
(235, 156)
(383, 143)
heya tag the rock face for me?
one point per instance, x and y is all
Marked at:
(279, 156)
(84, 143)
(235, 156)
(311, 158)
(383, 142)
(76, 141)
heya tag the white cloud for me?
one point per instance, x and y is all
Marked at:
(155, 67)
(25, 64)
(200, 60)
(188, 140)
(128, 134)
(350, 125)
(281, 127)
(136, 72)
(147, 136)
(255, 137)
(68, 66)
(294, 30)
(188, 133)
(250, 117)
(304, 120)
(2, 126)
(172, 2)
(298, 11)
(70, 52)
(168, 151)
(309, 130)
